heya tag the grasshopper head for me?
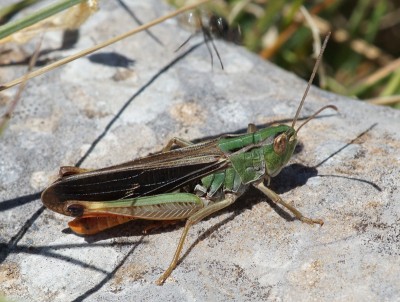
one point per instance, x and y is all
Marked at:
(277, 153)
(281, 141)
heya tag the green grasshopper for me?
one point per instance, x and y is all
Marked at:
(190, 182)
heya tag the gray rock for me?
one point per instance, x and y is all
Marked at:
(347, 173)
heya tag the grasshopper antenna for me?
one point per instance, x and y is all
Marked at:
(311, 79)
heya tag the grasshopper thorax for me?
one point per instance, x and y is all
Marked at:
(262, 153)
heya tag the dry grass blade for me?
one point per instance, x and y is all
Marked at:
(381, 73)
(385, 100)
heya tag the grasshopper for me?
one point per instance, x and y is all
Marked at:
(189, 182)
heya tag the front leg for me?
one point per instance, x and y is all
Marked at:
(277, 199)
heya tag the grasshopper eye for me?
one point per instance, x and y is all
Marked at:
(280, 143)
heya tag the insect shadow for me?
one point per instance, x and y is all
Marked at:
(112, 59)
(69, 39)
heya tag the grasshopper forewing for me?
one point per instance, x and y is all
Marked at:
(190, 182)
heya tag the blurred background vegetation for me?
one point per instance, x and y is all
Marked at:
(362, 58)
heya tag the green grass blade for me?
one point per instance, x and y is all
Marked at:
(8, 11)
(17, 25)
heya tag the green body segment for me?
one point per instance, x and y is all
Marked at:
(249, 165)
(252, 156)
(228, 180)
(235, 143)
(232, 180)
(168, 206)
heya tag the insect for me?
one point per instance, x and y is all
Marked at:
(212, 26)
(190, 182)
